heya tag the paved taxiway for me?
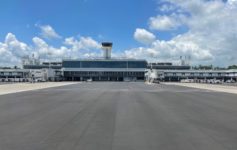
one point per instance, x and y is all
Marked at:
(118, 116)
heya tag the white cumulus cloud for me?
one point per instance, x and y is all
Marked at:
(167, 8)
(11, 50)
(48, 32)
(84, 46)
(46, 51)
(83, 43)
(144, 36)
(163, 23)
(210, 37)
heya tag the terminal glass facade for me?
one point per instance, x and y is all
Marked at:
(104, 64)
(104, 70)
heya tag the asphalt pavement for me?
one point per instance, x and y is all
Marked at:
(118, 116)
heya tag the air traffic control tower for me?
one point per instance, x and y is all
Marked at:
(107, 47)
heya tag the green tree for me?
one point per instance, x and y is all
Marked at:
(232, 67)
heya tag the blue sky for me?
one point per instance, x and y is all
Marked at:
(111, 20)
(156, 30)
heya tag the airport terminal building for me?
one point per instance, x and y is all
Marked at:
(104, 70)
(175, 73)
